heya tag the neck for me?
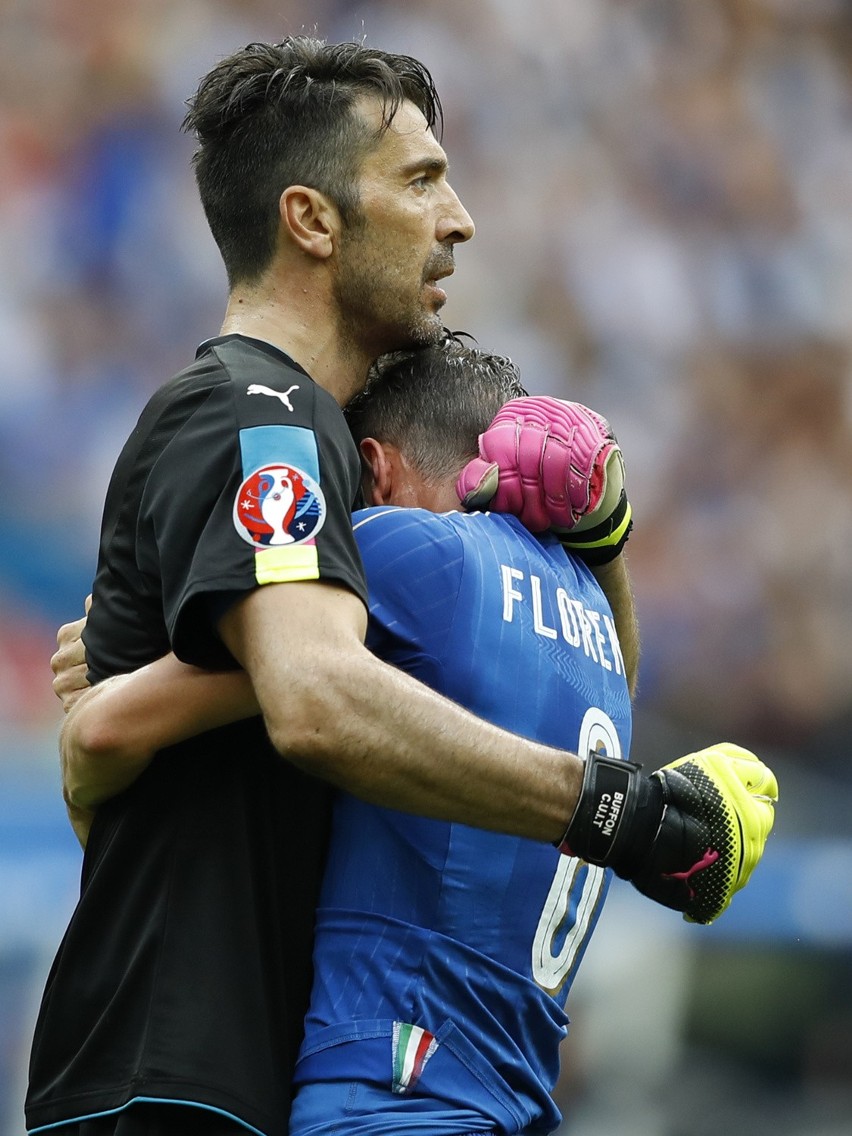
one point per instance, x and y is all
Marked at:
(441, 498)
(412, 490)
(303, 325)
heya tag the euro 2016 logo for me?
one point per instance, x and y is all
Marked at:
(278, 505)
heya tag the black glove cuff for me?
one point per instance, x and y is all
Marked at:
(604, 811)
(601, 544)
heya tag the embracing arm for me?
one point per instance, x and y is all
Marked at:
(330, 707)
(334, 709)
(113, 731)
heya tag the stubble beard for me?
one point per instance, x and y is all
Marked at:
(377, 314)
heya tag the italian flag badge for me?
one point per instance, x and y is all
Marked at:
(412, 1048)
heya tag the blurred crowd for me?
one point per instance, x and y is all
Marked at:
(663, 197)
(662, 192)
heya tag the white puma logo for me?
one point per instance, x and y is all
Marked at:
(256, 388)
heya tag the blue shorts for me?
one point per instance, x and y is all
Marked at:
(353, 1108)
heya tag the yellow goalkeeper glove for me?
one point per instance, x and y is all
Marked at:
(689, 836)
(733, 812)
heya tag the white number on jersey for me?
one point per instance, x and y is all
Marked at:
(573, 877)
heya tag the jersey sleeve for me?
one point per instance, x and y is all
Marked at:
(256, 487)
(413, 560)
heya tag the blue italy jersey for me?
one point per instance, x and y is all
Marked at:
(444, 953)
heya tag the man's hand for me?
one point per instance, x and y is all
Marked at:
(69, 684)
(555, 465)
(69, 661)
(689, 836)
(720, 802)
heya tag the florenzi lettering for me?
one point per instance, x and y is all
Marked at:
(556, 615)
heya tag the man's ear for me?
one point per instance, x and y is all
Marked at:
(310, 219)
(378, 460)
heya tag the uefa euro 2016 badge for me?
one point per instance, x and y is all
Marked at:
(278, 505)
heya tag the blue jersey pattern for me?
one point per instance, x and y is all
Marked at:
(444, 953)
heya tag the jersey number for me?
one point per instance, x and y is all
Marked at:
(574, 880)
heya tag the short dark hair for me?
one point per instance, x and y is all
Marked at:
(279, 114)
(434, 402)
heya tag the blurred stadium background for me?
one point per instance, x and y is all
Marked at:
(663, 195)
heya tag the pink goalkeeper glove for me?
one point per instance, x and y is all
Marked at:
(555, 465)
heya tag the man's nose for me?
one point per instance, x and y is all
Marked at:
(457, 224)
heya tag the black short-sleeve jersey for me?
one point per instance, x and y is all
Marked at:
(185, 971)
(241, 471)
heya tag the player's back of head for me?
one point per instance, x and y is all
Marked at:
(434, 402)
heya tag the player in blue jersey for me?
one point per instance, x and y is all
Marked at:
(444, 953)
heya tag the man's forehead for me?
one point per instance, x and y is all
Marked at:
(408, 129)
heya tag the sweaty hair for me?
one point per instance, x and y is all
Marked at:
(279, 114)
(434, 402)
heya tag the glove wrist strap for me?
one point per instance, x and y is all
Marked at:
(605, 810)
(601, 544)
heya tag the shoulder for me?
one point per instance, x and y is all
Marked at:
(267, 385)
(238, 379)
(278, 412)
(407, 547)
(424, 531)
(408, 530)
(415, 564)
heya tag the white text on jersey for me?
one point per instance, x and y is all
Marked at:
(579, 626)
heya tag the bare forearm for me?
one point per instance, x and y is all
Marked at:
(389, 739)
(614, 579)
(112, 733)
(340, 713)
